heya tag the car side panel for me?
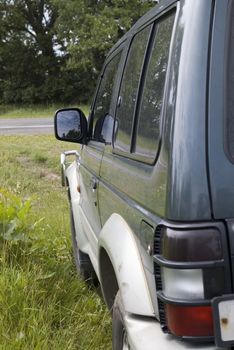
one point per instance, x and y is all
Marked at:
(90, 162)
(188, 190)
(124, 189)
(221, 167)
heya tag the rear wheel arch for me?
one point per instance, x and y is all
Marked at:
(108, 278)
(121, 268)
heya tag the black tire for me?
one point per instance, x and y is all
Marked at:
(119, 332)
(83, 264)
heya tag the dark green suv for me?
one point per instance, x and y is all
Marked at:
(152, 188)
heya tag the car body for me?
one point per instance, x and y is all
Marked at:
(151, 189)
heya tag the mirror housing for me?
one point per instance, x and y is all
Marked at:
(70, 124)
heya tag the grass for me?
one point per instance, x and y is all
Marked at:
(11, 111)
(43, 305)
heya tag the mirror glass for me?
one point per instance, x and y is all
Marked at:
(69, 125)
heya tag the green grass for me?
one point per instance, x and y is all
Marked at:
(43, 305)
(33, 111)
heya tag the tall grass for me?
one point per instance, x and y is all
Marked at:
(11, 111)
(43, 304)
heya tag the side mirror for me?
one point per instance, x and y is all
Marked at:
(70, 125)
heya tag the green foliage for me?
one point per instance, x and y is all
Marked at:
(43, 304)
(90, 28)
(30, 67)
(53, 50)
(13, 217)
(40, 158)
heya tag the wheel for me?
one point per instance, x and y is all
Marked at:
(119, 332)
(83, 264)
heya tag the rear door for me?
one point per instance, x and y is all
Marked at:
(91, 155)
(133, 174)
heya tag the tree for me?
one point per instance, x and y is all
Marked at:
(30, 66)
(89, 28)
(53, 50)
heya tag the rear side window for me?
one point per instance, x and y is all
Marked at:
(229, 121)
(139, 111)
(129, 89)
(149, 118)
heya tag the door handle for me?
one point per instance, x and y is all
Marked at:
(93, 183)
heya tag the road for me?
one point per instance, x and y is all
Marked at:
(26, 126)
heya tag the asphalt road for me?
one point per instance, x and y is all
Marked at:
(26, 126)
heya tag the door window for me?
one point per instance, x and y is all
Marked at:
(102, 120)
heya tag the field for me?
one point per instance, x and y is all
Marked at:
(34, 111)
(43, 304)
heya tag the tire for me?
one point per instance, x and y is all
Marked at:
(119, 331)
(83, 264)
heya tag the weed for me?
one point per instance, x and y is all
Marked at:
(13, 217)
(40, 158)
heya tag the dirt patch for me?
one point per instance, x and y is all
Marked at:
(23, 160)
(49, 175)
(39, 171)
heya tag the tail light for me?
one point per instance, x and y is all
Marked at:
(190, 271)
(192, 321)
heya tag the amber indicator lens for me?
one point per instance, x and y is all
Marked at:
(191, 245)
(190, 321)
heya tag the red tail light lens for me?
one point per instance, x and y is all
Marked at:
(189, 321)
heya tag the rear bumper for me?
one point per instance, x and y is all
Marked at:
(146, 334)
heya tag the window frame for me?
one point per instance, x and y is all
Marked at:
(120, 49)
(130, 42)
(174, 8)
